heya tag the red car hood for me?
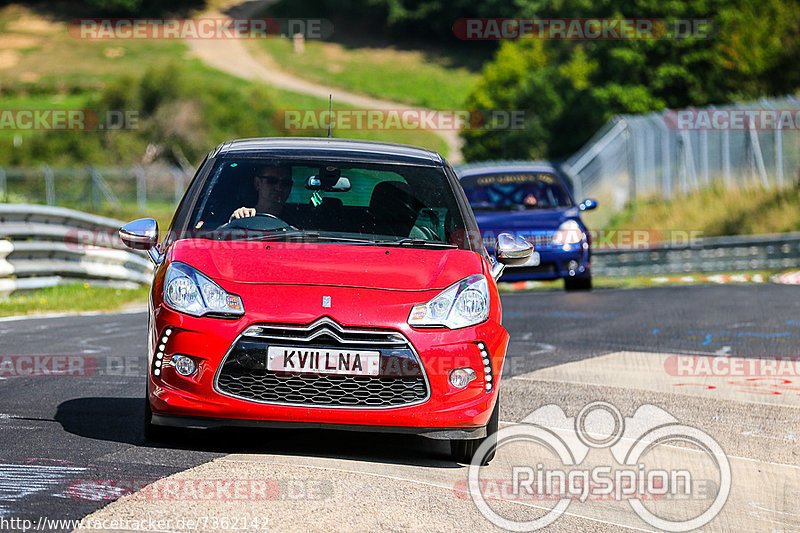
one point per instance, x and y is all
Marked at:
(287, 263)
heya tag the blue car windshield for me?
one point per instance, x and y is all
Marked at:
(502, 192)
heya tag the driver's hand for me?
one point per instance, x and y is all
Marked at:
(243, 212)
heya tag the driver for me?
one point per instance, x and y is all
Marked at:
(273, 184)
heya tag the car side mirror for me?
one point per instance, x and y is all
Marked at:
(587, 205)
(141, 234)
(510, 250)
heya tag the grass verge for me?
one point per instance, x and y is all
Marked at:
(641, 282)
(717, 211)
(406, 76)
(71, 298)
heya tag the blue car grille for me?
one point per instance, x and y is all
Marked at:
(538, 239)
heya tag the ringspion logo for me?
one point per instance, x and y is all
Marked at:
(651, 457)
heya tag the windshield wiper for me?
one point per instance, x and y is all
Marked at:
(416, 242)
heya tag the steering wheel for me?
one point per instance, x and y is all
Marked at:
(427, 232)
(261, 221)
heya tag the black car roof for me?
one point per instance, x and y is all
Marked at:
(331, 149)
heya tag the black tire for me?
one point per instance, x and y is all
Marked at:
(584, 283)
(463, 450)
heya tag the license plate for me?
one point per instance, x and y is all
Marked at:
(323, 361)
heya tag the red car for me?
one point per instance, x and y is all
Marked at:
(325, 283)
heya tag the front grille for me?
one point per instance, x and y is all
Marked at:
(538, 239)
(401, 380)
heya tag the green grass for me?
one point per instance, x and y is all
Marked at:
(128, 211)
(425, 139)
(59, 71)
(717, 211)
(71, 298)
(39, 101)
(409, 77)
(50, 56)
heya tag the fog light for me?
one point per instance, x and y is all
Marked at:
(184, 365)
(460, 377)
(573, 267)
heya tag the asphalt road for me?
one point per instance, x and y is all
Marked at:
(62, 434)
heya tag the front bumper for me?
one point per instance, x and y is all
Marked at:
(447, 412)
(197, 422)
(553, 264)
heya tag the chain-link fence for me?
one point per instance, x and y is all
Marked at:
(675, 152)
(93, 188)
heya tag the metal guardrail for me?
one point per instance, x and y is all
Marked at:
(43, 246)
(717, 254)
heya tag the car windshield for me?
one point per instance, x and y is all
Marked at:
(358, 203)
(501, 192)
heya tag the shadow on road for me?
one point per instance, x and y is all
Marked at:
(120, 420)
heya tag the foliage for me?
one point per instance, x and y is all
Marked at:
(141, 8)
(173, 117)
(569, 88)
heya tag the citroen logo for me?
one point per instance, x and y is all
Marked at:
(326, 301)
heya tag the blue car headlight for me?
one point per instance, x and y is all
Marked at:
(569, 232)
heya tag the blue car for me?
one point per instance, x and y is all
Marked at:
(532, 200)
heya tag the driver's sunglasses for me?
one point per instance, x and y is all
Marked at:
(275, 180)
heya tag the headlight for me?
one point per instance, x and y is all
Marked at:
(568, 233)
(465, 303)
(189, 291)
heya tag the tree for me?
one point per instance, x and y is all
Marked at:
(569, 88)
